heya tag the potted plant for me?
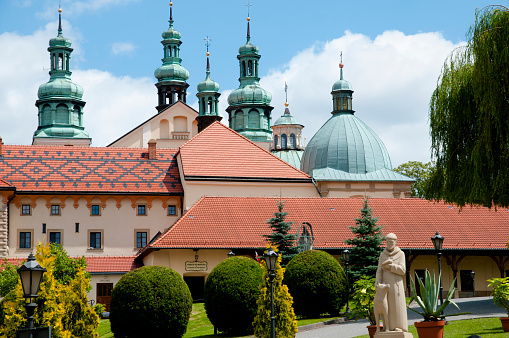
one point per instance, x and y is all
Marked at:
(362, 302)
(500, 294)
(429, 301)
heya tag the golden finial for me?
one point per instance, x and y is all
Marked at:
(208, 53)
(248, 19)
(60, 10)
(286, 104)
(171, 3)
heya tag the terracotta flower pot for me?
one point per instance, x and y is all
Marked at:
(430, 329)
(505, 323)
(372, 330)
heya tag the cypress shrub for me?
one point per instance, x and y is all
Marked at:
(152, 301)
(230, 294)
(316, 282)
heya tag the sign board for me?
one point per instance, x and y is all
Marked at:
(196, 266)
(37, 332)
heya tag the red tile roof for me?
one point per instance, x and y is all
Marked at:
(5, 185)
(97, 264)
(240, 222)
(87, 170)
(219, 151)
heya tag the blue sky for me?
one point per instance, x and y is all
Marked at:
(393, 52)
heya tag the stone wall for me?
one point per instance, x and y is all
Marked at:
(4, 244)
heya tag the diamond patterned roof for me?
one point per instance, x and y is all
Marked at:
(87, 169)
(240, 222)
(219, 151)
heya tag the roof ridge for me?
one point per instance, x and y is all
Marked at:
(76, 148)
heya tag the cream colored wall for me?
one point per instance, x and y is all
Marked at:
(118, 225)
(95, 279)
(360, 189)
(197, 189)
(139, 137)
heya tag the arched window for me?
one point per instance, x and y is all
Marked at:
(60, 61)
(62, 114)
(254, 119)
(249, 68)
(76, 115)
(292, 141)
(243, 69)
(175, 54)
(283, 141)
(180, 123)
(164, 129)
(239, 120)
(46, 115)
(276, 140)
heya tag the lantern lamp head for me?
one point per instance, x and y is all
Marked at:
(31, 276)
(231, 254)
(346, 255)
(270, 258)
(437, 241)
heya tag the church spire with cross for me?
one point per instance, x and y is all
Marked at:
(60, 103)
(208, 97)
(249, 107)
(171, 76)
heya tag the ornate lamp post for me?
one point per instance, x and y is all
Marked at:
(346, 258)
(231, 254)
(270, 258)
(472, 273)
(31, 276)
(437, 243)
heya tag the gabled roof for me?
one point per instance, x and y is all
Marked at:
(6, 185)
(220, 152)
(33, 169)
(241, 222)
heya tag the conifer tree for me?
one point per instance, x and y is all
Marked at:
(366, 245)
(285, 319)
(280, 236)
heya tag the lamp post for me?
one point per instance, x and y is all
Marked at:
(270, 258)
(31, 276)
(231, 254)
(472, 273)
(346, 258)
(437, 243)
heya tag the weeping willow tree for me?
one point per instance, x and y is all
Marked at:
(469, 117)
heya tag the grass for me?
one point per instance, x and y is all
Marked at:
(104, 329)
(484, 327)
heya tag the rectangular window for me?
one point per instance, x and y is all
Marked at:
(467, 283)
(25, 240)
(55, 209)
(43, 228)
(77, 227)
(141, 239)
(172, 210)
(96, 210)
(55, 237)
(95, 240)
(142, 210)
(26, 209)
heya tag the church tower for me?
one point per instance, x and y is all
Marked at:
(249, 107)
(171, 76)
(60, 105)
(208, 98)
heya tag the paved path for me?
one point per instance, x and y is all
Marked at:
(479, 307)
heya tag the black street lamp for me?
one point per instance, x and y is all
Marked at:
(270, 258)
(346, 258)
(472, 273)
(437, 243)
(231, 254)
(31, 276)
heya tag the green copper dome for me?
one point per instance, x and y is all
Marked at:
(249, 94)
(171, 72)
(60, 87)
(342, 85)
(171, 33)
(60, 41)
(248, 48)
(345, 143)
(287, 118)
(208, 85)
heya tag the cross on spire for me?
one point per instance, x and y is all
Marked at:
(341, 57)
(207, 42)
(286, 92)
(248, 5)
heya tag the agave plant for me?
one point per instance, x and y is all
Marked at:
(429, 300)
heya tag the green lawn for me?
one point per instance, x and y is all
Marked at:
(484, 327)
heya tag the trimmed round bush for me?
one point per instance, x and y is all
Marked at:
(152, 301)
(230, 294)
(316, 282)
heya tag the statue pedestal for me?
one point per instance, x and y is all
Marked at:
(393, 334)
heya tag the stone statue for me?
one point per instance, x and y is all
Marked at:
(391, 271)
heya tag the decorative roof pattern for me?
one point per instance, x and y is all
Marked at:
(241, 222)
(219, 151)
(87, 170)
(5, 185)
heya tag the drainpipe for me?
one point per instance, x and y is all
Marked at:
(314, 182)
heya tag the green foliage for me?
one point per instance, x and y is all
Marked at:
(152, 301)
(64, 307)
(8, 277)
(230, 294)
(317, 283)
(280, 236)
(285, 319)
(429, 303)
(366, 245)
(500, 292)
(66, 268)
(362, 298)
(99, 309)
(469, 117)
(418, 171)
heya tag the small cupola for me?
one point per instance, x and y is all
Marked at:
(342, 92)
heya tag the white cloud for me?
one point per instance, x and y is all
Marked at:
(122, 48)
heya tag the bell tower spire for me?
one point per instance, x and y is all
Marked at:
(60, 103)
(171, 76)
(342, 92)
